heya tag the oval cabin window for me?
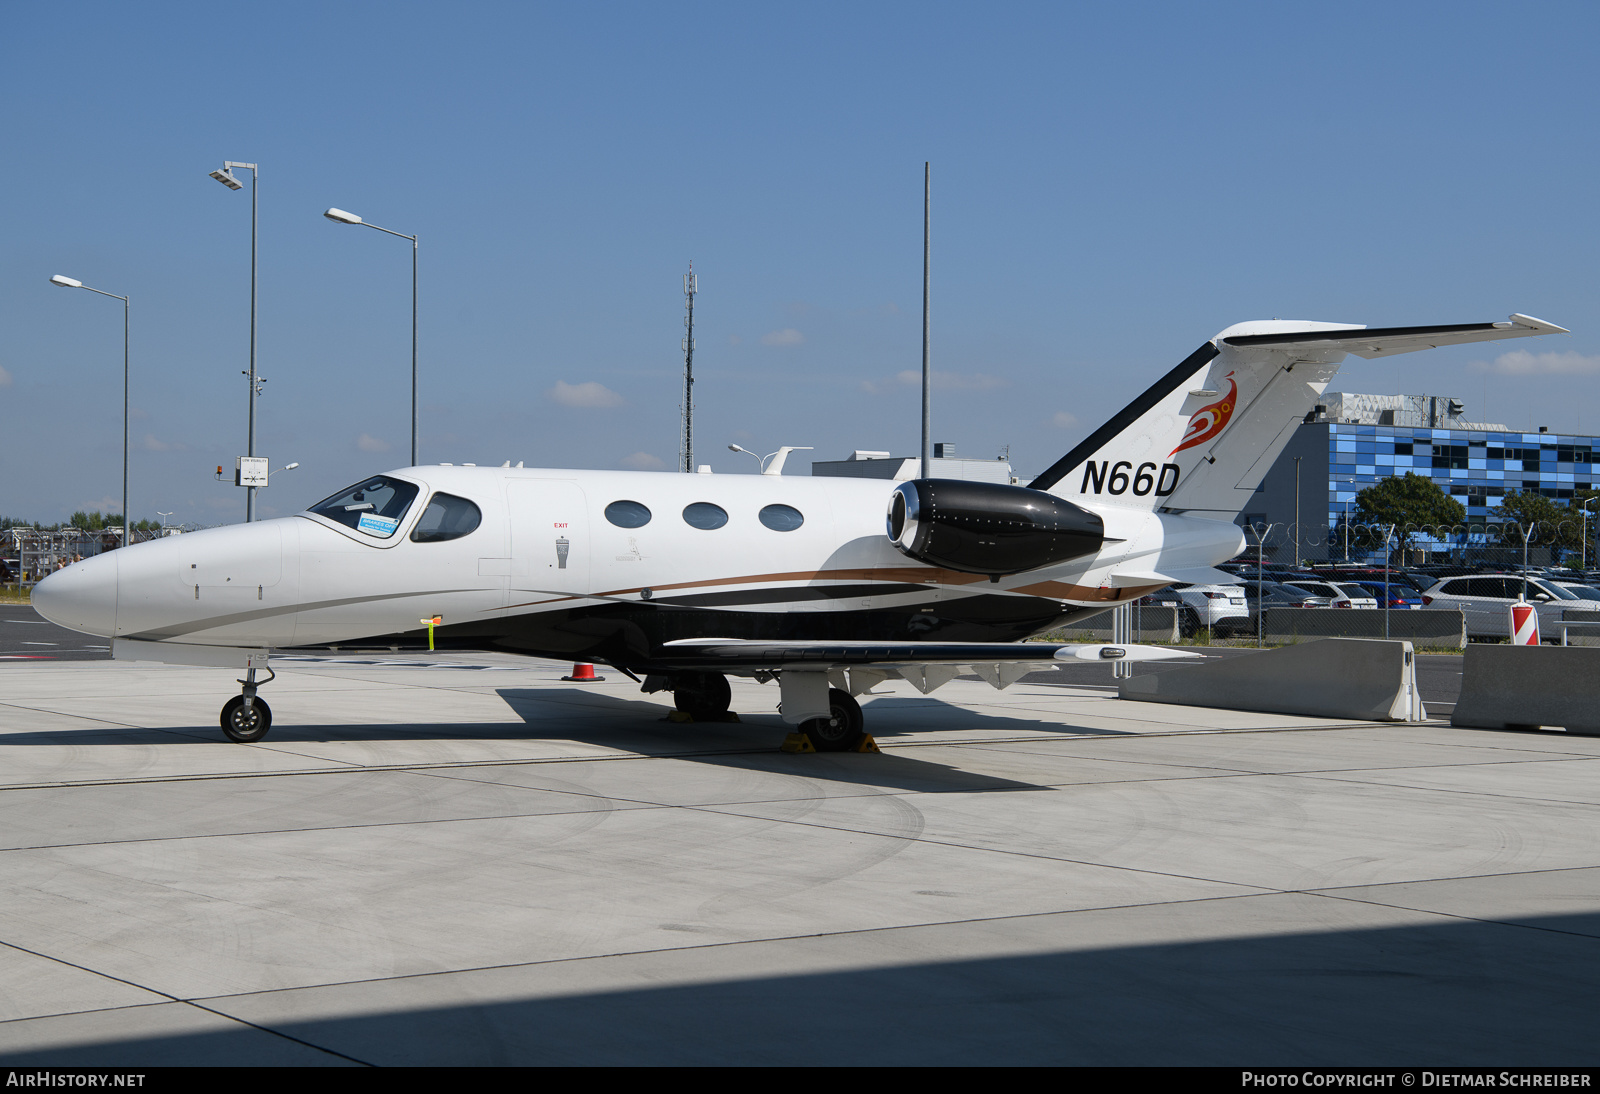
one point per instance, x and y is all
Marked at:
(627, 514)
(782, 518)
(705, 516)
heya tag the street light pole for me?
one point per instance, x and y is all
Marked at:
(226, 177)
(1583, 557)
(342, 217)
(71, 283)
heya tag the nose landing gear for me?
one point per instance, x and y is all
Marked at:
(245, 717)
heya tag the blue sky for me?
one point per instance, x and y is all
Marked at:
(1113, 184)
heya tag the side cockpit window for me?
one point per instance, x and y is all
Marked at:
(446, 517)
(375, 506)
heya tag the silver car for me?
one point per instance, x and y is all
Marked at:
(1486, 599)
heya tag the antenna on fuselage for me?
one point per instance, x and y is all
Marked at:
(686, 451)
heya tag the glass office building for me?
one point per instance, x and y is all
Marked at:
(1339, 454)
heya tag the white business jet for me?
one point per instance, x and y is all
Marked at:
(680, 581)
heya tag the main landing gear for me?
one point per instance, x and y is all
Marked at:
(245, 717)
(843, 731)
(704, 696)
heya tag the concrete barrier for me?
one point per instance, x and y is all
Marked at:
(1151, 623)
(1423, 627)
(1525, 687)
(1325, 678)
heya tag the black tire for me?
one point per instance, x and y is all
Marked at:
(244, 725)
(1188, 622)
(704, 696)
(843, 732)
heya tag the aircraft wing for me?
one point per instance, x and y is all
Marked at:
(927, 665)
(1372, 342)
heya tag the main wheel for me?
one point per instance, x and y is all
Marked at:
(842, 732)
(704, 696)
(246, 724)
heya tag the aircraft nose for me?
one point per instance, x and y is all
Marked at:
(82, 597)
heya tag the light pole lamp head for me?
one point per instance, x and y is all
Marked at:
(66, 282)
(342, 217)
(225, 176)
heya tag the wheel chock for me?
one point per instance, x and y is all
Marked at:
(868, 745)
(679, 716)
(798, 742)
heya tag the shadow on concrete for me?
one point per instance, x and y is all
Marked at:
(1460, 992)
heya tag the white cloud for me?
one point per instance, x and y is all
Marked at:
(5, 378)
(587, 394)
(788, 336)
(368, 443)
(643, 461)
(1522, 363)
(152, 443)
(1063, 420)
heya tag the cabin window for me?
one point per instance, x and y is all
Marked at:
(628, 514)
(705, 516)
(782, 518)
(446, 517)
(375, 507)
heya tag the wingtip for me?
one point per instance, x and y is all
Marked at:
(1537, 324)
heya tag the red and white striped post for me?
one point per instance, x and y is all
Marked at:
(1524, 624)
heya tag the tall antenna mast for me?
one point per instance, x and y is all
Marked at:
(689, 289)
(927, 401)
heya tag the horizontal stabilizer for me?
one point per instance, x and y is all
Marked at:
(1372, 342)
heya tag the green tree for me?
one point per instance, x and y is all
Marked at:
(1553, 525)
(1410, 504)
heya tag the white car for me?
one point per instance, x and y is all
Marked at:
(1486, 599)
(1582, 592)
(1223, 608)
(1339, 594)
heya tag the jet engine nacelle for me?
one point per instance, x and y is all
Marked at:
(987, 528)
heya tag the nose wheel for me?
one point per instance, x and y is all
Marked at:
(246, 717)
(246, 723)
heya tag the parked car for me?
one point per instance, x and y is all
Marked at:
(1188, 618)
(1485, 600)
(1221, 607)
(1276, 595)
(1339, 594)
(1582, 592)
(1401, 597)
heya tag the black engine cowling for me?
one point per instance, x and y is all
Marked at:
(988, 528)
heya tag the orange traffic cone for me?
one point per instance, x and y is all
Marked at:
(583, 673)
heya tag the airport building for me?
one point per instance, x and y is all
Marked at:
(945, 465)
(1354, 441)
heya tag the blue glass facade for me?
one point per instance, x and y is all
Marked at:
(1475, 468)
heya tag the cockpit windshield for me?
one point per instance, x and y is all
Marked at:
(375, 506)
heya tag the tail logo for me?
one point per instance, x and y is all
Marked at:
(1209, 421)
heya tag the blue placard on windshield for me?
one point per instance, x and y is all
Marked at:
(375, 525)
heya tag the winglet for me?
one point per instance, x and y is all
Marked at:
(1520, 320)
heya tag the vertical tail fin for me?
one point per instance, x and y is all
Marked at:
(1202, 437)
